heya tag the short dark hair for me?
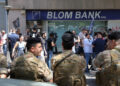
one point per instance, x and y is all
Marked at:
(95, 33)
(51, 34)
(114, 36)
(86, 34)
(68, 40)
(109, 29)
(100, 33)
(31, 42)
(84, 28)
(35, 29)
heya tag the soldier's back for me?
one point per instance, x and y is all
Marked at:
(69, 72)
(109, 61)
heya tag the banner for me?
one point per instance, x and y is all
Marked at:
(16, 23)
(73, 15)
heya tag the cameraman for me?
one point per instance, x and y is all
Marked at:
(55, 39)
(50, 45)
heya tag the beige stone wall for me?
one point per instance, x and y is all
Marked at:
(65, 4)
(13, 15)
(2, 16)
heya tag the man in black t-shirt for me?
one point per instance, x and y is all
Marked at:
(98, 44)
(34, 33)
(50, 45)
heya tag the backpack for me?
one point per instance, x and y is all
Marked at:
(68, 78)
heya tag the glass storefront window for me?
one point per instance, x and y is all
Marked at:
(59, 27)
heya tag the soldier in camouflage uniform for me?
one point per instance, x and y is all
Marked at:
(3, 66)
(28, 67)
(68, 68)
(108, 62)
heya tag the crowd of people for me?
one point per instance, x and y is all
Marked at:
(33, 59)
(15, 44)
(88, 45)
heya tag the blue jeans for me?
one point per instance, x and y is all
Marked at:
(87, 57)
(20, 53)
(50, 54)
(5, 49)
(94, 54)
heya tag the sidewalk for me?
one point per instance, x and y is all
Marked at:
(90, 78)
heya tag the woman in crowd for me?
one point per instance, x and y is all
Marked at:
(19, 47)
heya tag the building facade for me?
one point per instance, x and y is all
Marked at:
(61, 15)
(2, 15)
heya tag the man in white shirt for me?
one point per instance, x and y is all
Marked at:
(4, 41)
(82, 37)
(82, 33)
(87, 47)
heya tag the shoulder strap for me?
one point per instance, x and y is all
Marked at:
(62, 60)
(114, 56)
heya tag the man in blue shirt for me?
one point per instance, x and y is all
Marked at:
(50, 45)
(13, 37)
(98, 44)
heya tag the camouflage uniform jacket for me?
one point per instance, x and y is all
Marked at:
(73, 65)
(3, 64)
(103, 60)
(109, 63)
(30, 68)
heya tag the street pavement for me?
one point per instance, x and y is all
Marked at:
(90, 78)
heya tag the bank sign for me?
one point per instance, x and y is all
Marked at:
(72, 15)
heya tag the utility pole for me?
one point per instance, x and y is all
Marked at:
(7, 7)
